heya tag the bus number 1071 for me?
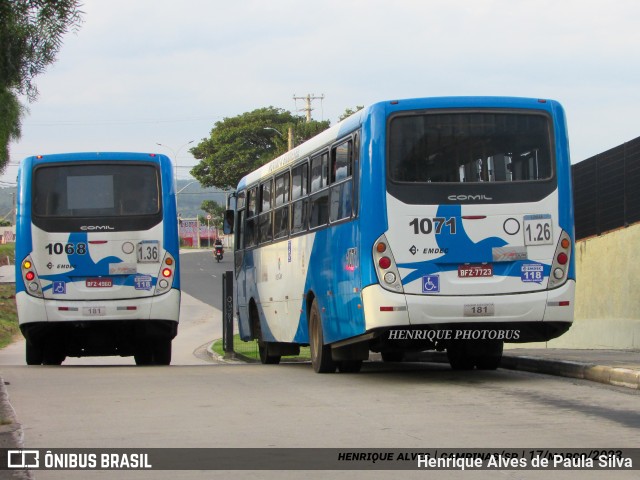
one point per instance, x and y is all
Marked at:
(426, 226)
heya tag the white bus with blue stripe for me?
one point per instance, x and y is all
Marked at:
(413, 225)
(97, 257)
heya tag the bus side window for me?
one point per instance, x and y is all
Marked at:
(251, 202)
(319, 214)
(341, 164)
(281, 215)
(265, 227)
(319, 171)
(319, 209)
(251, 227)
(240, 231)
(341, 189)
(299, 207)
(300, 178)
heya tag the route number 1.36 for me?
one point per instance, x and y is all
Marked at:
(148, 251)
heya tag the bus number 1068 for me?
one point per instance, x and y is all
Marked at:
(68, 248)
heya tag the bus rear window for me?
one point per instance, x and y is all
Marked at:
(469, 147)
(109, 190)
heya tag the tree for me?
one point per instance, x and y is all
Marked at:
(31, 34)
(239, 145)
(216, 211)
(349, 111)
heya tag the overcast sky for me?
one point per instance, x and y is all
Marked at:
(142, 72)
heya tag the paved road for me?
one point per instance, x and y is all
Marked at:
(409, 405)
(385, 406)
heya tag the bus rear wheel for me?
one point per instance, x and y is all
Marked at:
(266, 357)
(467, 354)
(320, 353)
(34, 354)
(162, 352)
(153, 352)
(392, 356)
(350, 366)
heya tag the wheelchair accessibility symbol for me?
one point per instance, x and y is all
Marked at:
(431, 284)
(59, 288)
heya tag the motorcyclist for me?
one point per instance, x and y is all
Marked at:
(217, 246)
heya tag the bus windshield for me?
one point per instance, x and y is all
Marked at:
(112, 190)
(469, 147)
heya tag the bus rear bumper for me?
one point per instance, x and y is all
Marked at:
(161, 307)
(539, 316)
(80, 329)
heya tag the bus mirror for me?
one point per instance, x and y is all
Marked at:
(228, 222)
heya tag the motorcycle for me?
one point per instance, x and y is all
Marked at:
(218, 253)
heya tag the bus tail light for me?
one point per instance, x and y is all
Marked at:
(561, 261)
(166, 274)
(384, 263)
(386, 269)
(30, 278)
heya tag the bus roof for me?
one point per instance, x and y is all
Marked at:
(96, 156)
(353, 122)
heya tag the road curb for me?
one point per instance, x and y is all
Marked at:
(227, 358)
(619, 377)
(11, 433)
(616, 376)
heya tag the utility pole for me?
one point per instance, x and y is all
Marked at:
(308, 99)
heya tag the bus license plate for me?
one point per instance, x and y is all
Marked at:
(94, 311)
(479, 310)
(99, 282)
(473, 271)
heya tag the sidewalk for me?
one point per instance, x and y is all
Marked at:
(7, 274)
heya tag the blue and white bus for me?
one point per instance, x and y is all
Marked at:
(97, 257)
(433, 223)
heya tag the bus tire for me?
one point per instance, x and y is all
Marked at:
(350, 366)
(490, 356)
(265, 357)
(459, 357)
(143, 354)
(390, 356)
(162, 352)
(321, 359)
(53, 355)
(34, 354)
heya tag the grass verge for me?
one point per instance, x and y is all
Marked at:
(8, 314)
(7, 253)
(250, 349)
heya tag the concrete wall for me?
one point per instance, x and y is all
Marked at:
(607, 312)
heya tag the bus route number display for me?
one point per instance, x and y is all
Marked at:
(538, 230)
(148, 251)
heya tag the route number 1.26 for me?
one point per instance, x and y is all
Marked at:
(538, 230)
